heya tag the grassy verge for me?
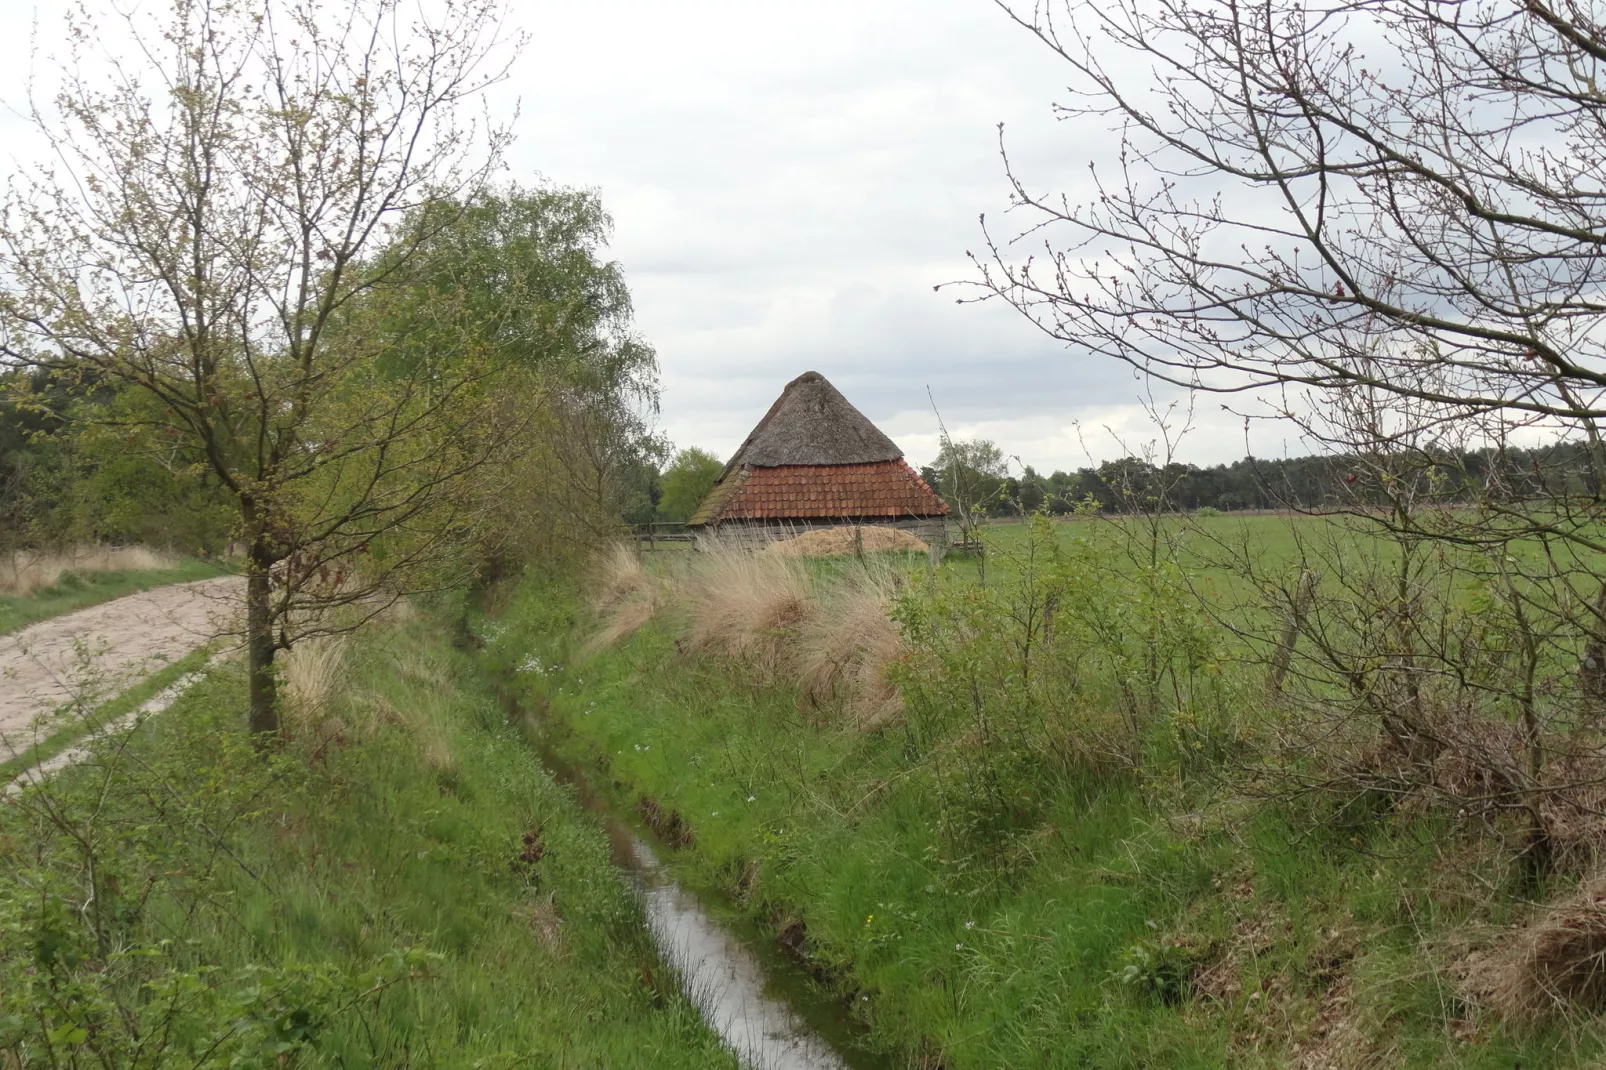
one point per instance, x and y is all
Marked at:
(1124, 921)
(79, 590)
(402, 886)
(82, 725)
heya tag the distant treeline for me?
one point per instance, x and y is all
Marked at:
(1313, 482)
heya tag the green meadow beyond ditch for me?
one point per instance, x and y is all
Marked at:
(1042, 810)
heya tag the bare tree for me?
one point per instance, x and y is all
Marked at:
(1387, 218)
(1401, 195)
(229, 195)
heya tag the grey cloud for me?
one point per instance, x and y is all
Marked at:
(789, 182)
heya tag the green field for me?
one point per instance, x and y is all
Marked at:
(999, 891)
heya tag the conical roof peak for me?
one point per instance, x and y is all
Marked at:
(812, 423)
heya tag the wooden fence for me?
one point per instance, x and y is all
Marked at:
(661, 536)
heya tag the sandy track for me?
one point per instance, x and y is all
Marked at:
(97, 652)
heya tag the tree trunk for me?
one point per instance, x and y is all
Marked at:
(264, 717)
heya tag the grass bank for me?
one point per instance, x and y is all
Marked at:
(79, 589)
(401, 886)
(978, 904)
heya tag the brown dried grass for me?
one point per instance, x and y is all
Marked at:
(763, 612)
(627, 598)
(621, 577)
(313, 671)
(26, 571)
(1553, 965)
(745, 606)
(844, 652)
(836, 542)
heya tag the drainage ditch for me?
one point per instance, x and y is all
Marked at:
(758, 999)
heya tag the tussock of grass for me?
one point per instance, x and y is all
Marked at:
(745, 606)
(312, 677)
(843, 651)
(627, 598)
(771, 614)
(1555, 966)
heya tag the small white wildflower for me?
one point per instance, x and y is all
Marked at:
(959, 947)
(970, 925)
(750, 798)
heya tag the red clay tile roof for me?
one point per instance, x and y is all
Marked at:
(820, 491)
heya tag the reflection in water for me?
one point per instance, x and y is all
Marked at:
(723, 976)
(724, 979)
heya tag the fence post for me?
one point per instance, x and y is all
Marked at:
(1292, 623)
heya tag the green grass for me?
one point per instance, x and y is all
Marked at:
(1058, 940)
(77, 726)
(365, 898)
(79, 590)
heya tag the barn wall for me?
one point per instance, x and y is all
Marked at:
(755, 534)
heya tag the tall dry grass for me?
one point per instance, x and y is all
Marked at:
(771, 618)
(321, 705)
(843, 652)
(627, 597)
(1554, 966)
(313, 674)
(25, 571)
(746, 606)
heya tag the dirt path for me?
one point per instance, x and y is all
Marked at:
(96, 652)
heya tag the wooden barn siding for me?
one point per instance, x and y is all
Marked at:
(755, 534)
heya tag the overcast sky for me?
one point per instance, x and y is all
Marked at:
(788, 184)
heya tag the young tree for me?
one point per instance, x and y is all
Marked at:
(686, 482)
(972, 473)
(1383, 196)
(210, 233)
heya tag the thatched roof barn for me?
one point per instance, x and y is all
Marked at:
(815, 460)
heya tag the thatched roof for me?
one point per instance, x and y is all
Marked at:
(814, 456)
(812, 423)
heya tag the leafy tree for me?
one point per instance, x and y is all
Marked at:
(208, 235)
(521, 271)
(971, 473)
(686, 482)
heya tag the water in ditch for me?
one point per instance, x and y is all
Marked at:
(755, 997)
